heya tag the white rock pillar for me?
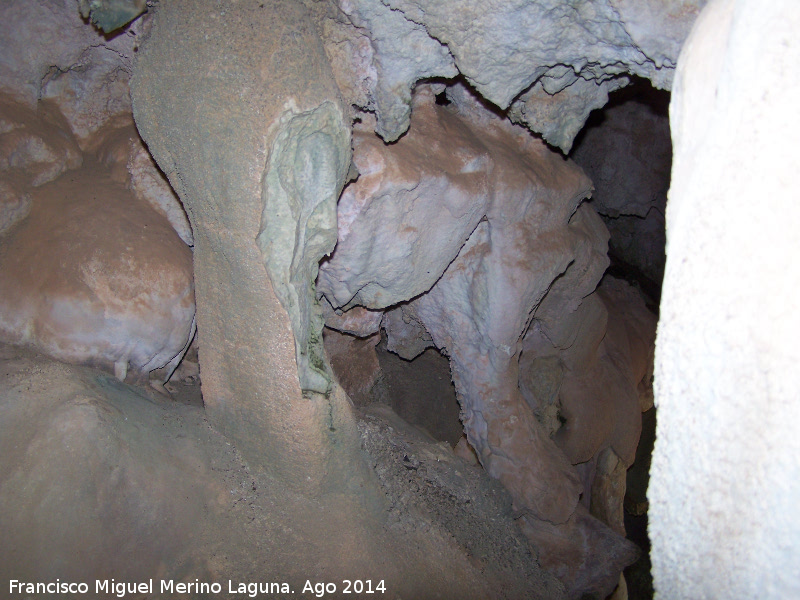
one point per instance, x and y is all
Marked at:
(725, 484)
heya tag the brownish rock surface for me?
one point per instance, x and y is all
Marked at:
(603, 355)
(258, 161)
(49, 52)
(120, 148)
(95, 276)
(88, 272)
(355, 363)
(103, 480)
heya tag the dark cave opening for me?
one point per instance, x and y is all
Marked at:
(626, 149)
(420, 391)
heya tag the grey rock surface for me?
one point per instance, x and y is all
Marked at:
(421, 195)
(402, 53)
(358, 321)
(726, 465)
(407, 336)
(558, 53)
(559, 116)
(49, 52)
(110, 15)
(628, 155)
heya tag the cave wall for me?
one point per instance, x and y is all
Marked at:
(724, 516)
(95, 264)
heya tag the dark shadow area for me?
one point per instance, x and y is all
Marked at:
(625, 148)
(420, 391)
(638, 575)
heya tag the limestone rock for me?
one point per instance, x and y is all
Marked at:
(110, 15)
(15, 205)
(100, 479)
(258, 161)
(632, 139)
(583, 553)
(50, 52)
(561, 115)
(630, 335)
(422, 196)
(406, 335)
(608, 490)
(600, 408)
(96, 278)
(585, 374)
(352, 59)
(121, 149)
(36, 146)
(402, 52)
(659, 29)
(606, 349)
(358, 321)
(539, 382)
(503, 49)
(726, 465)
(466, 452)
(522, 198)
(95, 470)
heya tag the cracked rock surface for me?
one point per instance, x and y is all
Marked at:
(551, 61)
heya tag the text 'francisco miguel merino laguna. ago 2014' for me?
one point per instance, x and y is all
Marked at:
(120, 589)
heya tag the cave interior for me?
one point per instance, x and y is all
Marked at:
(329, 297)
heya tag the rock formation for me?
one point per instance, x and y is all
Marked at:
(49, 52)
(628, 155)
(469, 233)
(89, 273)
(395, 169)
(550, 61)
(724, 516)
(259, 162)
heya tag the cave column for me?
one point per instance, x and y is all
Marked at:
(724, 516)
(238, 106)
